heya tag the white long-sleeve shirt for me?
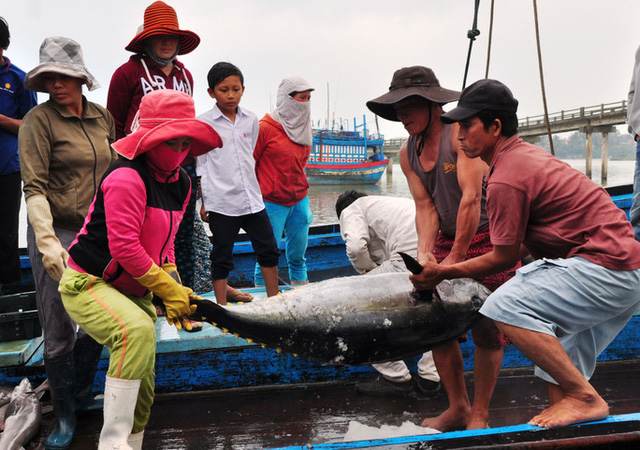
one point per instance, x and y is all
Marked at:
(228, 177)
(633, 101)
(375, 228)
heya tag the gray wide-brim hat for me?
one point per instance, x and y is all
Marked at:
(60, 55)
(407, 82)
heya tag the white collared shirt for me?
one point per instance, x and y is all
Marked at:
(228, 177)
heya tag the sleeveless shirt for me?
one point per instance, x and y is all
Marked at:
(442, 184)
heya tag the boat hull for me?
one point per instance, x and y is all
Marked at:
(360, 173)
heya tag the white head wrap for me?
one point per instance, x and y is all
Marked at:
(294, 116)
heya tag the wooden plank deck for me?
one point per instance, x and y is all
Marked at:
(319, 414)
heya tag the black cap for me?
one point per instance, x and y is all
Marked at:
(483, 94)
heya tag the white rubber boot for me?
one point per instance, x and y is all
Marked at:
(120, 397)
(135, 441)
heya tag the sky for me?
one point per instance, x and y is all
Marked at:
(349, 49)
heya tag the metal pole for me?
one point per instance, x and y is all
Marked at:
(589, 152)
(605, 159)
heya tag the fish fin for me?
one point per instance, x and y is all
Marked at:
(206, 310)
(412, 264)
(42, 388)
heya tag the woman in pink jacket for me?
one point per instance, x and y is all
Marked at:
(281, 152)
(125, 253)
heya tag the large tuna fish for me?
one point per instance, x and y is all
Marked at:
(354, 320)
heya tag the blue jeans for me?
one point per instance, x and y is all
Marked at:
(634, 212)
(294, 221)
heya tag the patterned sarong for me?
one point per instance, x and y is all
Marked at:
(485, 333)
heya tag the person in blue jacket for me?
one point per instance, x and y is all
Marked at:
(15, 102)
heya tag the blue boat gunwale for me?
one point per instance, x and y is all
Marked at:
(463, 435)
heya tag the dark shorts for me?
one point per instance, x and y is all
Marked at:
(485, 333)
(225, 229)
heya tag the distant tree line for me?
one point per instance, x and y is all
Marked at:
(573, 145)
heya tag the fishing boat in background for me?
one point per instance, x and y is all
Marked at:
(349, 157)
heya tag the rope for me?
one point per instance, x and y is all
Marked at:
(471, 34)
(544, 96)
(486, 74)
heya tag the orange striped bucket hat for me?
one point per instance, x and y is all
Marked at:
(161, 19)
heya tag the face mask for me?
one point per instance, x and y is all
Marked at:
(165, 159)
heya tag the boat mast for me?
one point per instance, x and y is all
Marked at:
(327, 126)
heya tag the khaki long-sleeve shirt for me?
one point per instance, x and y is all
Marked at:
(64, 157)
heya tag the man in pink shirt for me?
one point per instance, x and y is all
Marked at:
(565, 308)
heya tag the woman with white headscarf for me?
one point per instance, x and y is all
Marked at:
(282, 151)
(64, 147)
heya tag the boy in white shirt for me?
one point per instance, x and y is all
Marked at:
(231, 197)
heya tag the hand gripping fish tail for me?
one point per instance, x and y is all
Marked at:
(353, 320)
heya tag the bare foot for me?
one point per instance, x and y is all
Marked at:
(235, 295)
(478, 418)
(571, 410)
(476, 423)
(450, 420)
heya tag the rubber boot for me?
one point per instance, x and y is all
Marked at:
(135, 441)
(86, 354)
(60, 373)
(120, 398)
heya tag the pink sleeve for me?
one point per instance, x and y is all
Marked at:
(125, 200)
(508, 209)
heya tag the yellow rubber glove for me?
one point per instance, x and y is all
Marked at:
(172, 270)
(174, 296)
(54, 256)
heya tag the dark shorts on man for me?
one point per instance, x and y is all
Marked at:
(225, 229)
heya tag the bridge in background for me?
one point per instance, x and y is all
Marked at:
(588, 119)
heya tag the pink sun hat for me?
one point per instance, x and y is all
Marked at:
(163, 115)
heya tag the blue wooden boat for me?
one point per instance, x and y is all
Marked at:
(214, 361)
(349, 157)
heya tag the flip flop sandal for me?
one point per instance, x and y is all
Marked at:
(237, 296)
(196, 325)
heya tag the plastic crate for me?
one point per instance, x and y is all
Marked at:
(19, 317)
